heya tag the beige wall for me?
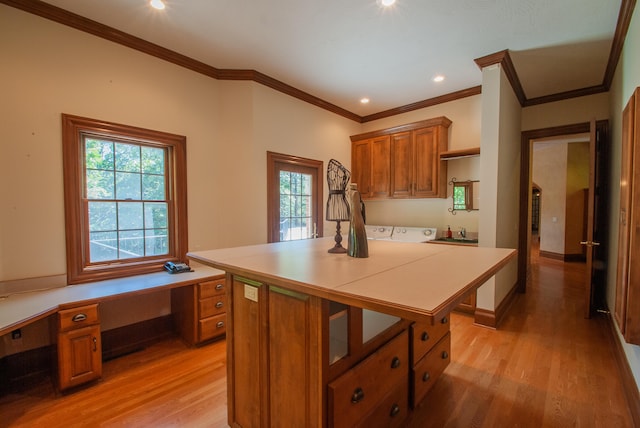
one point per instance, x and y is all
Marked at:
(626, 79)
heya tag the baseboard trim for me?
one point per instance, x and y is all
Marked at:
(130, 338)
(628, 382)
(492, 319)
(551, 255)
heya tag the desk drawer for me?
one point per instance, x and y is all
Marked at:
(211, 288)
(211, 306)
(427, 371)
(392, 410)
(212, 327)
(424, 336)
(81, 316)
(360, 390)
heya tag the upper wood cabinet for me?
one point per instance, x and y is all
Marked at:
(627, 304)
(403, 161)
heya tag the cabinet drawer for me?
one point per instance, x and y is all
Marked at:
(211, 306)
(211, 288)
(78, 317)
(392, 410)
(427, 371)
(212, 327)
(356, 393)
(424, 336)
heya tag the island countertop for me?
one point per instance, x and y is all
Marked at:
(403, 279)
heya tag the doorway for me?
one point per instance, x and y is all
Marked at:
(528, 138)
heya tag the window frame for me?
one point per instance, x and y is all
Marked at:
(79, 269)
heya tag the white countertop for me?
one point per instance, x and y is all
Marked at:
(19, 309)
(410, 280)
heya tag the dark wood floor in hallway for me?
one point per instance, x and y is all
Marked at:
(546, 366)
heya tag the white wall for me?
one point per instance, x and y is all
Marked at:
(626, 79)
(49, 69)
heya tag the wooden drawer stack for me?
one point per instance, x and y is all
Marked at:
(211, 309)
(374, 393)
(199, 311)
(431, 346)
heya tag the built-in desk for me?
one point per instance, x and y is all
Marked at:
(290, 302)
(197, 304)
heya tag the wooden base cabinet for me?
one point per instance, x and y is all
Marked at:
(79, 350)
(281, 370)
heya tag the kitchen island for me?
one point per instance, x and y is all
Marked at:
(300, 346)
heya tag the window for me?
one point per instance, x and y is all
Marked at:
(294, 197)
(125, 199)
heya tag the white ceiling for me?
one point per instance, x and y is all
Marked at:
(343, 50)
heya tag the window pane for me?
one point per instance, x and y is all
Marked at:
(156, 242)
(99, 184)
(127, 157)
(285, 206)
(155, 215)
(130, 215)
(153, 187)
(98, 154)
(102, 216)
(285, 183)
(103, 246)
(127, 186)
(152, 160)
(131, 243)
(306, 184)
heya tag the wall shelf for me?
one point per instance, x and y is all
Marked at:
(457, 154)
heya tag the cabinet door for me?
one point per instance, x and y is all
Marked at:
(427, 163)
(79, 356)
(361, 166)
(380, 167)
(402, 167)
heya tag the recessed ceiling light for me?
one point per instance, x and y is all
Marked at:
(364, 100)
(157, 4)
(438, 78)
(387, 3)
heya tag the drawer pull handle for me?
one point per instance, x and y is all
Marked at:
(444, 320)
(220, 324)
(445, 355)
(219, 305)
(79, 317)
(395, 363)
(426, 376)
(425, 336)
(358, 396)
(95, 344)
(219, 287)
(395, 409)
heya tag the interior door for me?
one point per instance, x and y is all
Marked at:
(596, 218)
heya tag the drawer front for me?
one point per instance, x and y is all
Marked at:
(427, 371)
(211, 306)
(392, 410)
(356, 393)
(82, 316)
(212, 327)
(424, 336)
(211, 288)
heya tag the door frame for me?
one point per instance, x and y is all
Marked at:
(273, 182)
(526, 145)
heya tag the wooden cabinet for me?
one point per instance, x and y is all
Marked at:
(360, 395)
(199, 310)
(468, 305)
(431, 348)
(403, 161)
(79, 350)
(627, 305)
(371, 168)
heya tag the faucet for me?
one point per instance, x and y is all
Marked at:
(462, 233)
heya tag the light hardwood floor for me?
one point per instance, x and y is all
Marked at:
(546, 366)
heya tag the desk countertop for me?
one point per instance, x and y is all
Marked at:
(17, 310)
(404, 279)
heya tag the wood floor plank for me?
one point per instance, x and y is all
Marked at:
(546, 366)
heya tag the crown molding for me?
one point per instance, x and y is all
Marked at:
(62, 16)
